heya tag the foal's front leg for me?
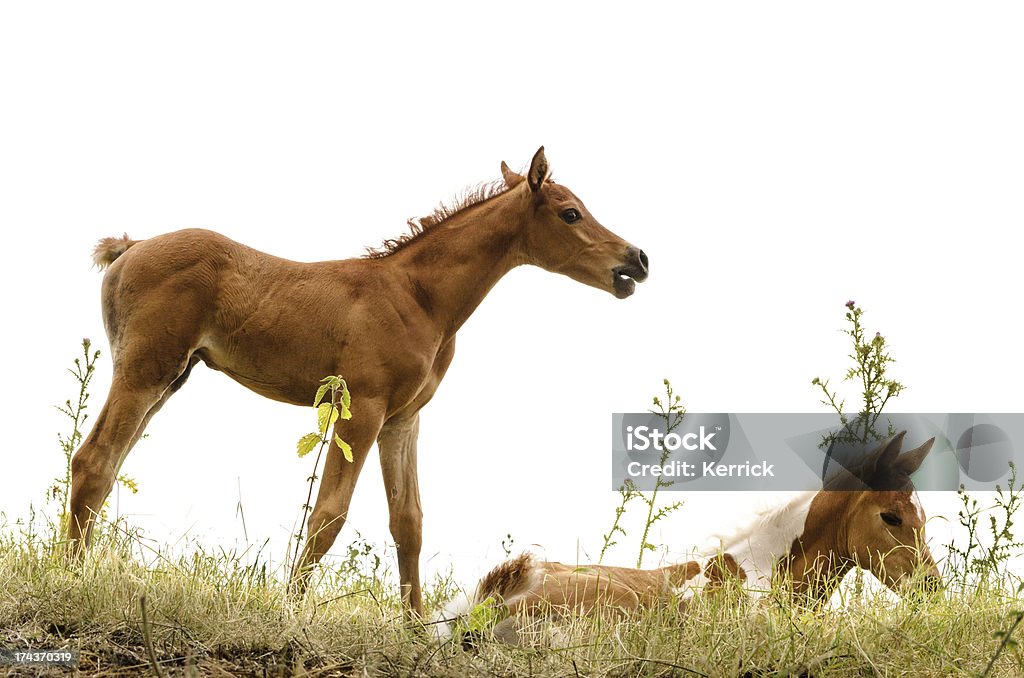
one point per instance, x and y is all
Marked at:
(336, 487)
(397, 443)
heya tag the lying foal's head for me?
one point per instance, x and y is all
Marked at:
(880, 528)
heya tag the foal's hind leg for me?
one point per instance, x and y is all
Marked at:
(121, 423)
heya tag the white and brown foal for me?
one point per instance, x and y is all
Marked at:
(808, 544)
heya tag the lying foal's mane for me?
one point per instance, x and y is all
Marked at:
(467, 198)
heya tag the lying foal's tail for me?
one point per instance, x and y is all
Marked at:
(109, 249)
(506, 584)
(510, 580)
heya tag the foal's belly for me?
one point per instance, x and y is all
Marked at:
(296, 387)
(290, 371)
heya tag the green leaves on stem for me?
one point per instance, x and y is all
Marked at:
(328, 412)
(338, 406)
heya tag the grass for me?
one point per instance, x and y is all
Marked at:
(208, 614)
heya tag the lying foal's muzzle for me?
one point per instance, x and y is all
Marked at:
(923, 587)
(932, 583)
(634, 270)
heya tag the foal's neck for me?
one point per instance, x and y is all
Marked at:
(450, 268)
(758, 547)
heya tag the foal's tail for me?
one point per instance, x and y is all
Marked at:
(510, 580)
(506, 584)
(109, 249)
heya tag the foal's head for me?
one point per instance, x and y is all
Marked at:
(562, 236)
(881, 529)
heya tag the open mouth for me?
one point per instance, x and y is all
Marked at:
(625, 277)
(624, 280)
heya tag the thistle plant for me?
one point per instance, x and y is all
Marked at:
(1004, 544)
(869, 370)
(672, 410)
(507, 543)
(627, 493)
(83, 370)
(986, 562)
(328, 411)
(75, 410)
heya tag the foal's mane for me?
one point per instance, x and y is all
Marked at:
(469, 197)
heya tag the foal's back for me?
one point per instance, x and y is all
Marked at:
(275, 325)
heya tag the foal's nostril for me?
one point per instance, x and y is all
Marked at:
(634, 264)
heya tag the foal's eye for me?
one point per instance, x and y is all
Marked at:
(571, 215)
(892, 519)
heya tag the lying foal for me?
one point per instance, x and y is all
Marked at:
(869, 518)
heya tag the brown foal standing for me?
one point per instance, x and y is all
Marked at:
(386, 321)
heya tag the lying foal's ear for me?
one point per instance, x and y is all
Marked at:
(911, 461)
(538, 170)
(884, 456)
(512, 179)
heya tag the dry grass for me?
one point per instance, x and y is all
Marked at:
(214, 614)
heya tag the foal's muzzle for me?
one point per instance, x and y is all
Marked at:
(924, 587)
(634, 270)
(932, 583)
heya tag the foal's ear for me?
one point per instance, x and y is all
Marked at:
(911, 461)
(512, 179)
(538, 170)
(885, 455)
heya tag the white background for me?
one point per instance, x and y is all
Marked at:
(774, 160)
